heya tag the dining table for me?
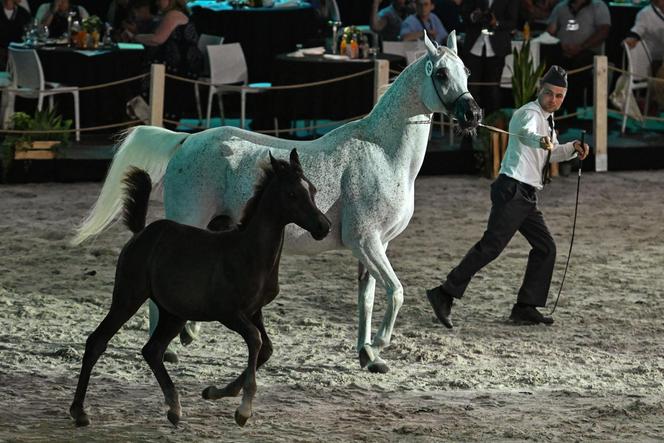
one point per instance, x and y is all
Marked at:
(263, 32)
(332, 101)
(87, 67)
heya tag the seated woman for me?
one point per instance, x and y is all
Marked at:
(54, 15)
(174, 43)
(12, 22)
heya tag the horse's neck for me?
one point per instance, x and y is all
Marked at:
(400, 121)
(266, 229)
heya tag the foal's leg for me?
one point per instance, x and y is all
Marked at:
(252, 336)
(233, 388)
(371, 252)
(120, 312)
(168, 327)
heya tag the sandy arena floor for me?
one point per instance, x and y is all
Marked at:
(598, 373)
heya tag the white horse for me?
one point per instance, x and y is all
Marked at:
(364, 171)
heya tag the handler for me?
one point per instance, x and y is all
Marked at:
(523, 172)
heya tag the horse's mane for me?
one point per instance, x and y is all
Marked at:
(266, 178)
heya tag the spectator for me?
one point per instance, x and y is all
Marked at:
(489, 25)
(449, 12)
(649, 27)
(175, 44)
(387, 22)
(537, 12)
(12, 22)
(118, 12)
(423, 19)
(54, 15)
(139, 20)
(582, 27)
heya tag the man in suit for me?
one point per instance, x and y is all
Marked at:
(488, 40)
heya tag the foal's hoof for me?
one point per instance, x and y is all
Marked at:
(209, 393)
(240, 419)
(170, 356)
(80, 417)
(173, 417)
(364, 358)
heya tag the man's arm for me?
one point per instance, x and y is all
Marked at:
(377, 22)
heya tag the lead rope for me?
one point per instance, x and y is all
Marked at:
(571, 242)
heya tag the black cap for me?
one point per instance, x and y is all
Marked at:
(556, 76)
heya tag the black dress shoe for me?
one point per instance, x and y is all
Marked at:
(441, 302)
(528, 315)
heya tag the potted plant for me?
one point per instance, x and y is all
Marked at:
(92, 27)
(34, 145)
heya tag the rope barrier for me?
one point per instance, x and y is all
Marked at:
(92, 87)
(273, 131)
(640, 77)
(69, 131)
(278, 87)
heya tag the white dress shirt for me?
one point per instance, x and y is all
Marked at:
(649, 25)
(524, 158)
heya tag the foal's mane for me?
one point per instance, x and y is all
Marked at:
(266, 178)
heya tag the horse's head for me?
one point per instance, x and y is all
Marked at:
(296, 197)
(446, 84)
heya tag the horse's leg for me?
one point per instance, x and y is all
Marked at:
(371, 252)
(153, 352)
(120, 312)
(233, 388)
(252, 336)
(365, 301)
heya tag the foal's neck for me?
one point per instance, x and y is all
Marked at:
(266, 226)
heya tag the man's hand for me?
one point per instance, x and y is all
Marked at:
(631, 41)
(583, 151)
(546, 143)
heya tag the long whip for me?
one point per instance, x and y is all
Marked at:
(576, 208)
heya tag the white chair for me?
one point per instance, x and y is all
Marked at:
(638, 63)
(205, 40)
(28, 82)
(6, 79)
(228, 74)
(402, 48)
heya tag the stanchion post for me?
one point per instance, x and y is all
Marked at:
(381, 77)
(600, 117)
(157, 86)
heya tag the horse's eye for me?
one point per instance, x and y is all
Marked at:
(441, 74)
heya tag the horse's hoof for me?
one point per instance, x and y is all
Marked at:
(379, 368)
(240, 419)
(208, 393)
(173, 418)
(170, 356)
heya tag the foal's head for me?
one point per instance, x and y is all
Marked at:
(293, 195)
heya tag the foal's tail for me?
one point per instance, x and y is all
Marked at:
(137, 196)
(147, 147)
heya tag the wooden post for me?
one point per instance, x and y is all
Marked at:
(600, 115)
(381, 78)
(157, 85)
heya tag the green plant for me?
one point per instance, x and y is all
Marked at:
(524, 75)
(45, 120)
(484, 154)
(91, 24)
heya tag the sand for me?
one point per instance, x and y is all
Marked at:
(598, 373)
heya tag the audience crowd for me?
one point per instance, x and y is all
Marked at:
(486, 29)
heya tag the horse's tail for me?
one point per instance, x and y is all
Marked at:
(147, 147)
(136, 198)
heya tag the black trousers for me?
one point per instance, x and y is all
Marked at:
(514, 208)
(486, 70)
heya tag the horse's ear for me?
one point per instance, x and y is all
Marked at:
(431, 48)
(295, 161)
(276, 167)
(452, 41)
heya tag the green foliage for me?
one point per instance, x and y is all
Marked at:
(483, 158)
(91, 24)
(45, 120)
(524, 75)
